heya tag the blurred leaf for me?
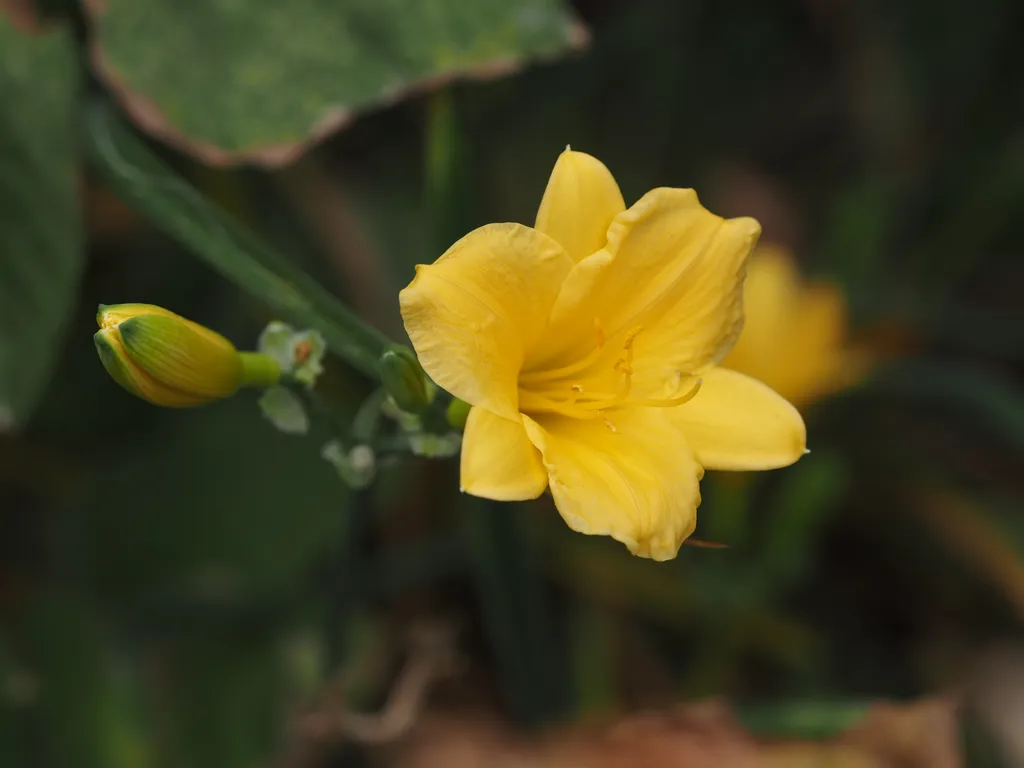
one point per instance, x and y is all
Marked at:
(263, 79)
(515, 609)
(221, 510)
(855, 233)
(284, 410)
(592, 636)
(18, 688)
(226, 700)
(40, 230)
(812, 719)
(991, 544)
(174, 206)
(808, 492)
(985, 189)
(980, 748)
(993, 402)
(88, 720)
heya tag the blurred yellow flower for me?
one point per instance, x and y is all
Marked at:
(795, 333)
(587, 346)
(170, 361)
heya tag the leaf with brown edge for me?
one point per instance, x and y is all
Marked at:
(262, 81)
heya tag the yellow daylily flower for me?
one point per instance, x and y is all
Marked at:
(794, 339)
(588, 346)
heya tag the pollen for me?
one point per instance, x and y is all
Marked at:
(627, 343)
(303, 350)
(577, 389)
(611, 427)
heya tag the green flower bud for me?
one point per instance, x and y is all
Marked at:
(403, 378)
(435, 446)
(300, 354)
(457, 413)
(356, 467)
(170, 361)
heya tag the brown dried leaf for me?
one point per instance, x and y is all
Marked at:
(22, 15)
(706, 735)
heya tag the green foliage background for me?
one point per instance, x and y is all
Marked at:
(175, 585)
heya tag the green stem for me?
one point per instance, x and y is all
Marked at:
(259, 370)
(531, 665)
(152, 189)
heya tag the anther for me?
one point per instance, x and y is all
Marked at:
(627, 343)
(599, 332)
(611, 427)
(577, 389)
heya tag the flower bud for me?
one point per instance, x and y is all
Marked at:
(170, 361)
(457, 413)
(403, 378)
(357, 467)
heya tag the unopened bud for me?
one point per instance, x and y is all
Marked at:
(170, 361)
(356, 467)
(403, 378)
(457, 413)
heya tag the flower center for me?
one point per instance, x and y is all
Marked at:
(553, 390)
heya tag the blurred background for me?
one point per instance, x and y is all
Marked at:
(194, 588)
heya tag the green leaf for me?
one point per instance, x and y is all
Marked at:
(284, 410)
(88, 707)
(990, 400)
(263, 79)
(174, 206)
(815, 720)
(226, 699)
(806, 496)
(517, 617)
(222, 510)
(40, 226)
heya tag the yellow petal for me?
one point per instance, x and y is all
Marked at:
(811, 358)
(473, 312)
(182, 355)
(638, 483)
(498, 460)
(771, 296)
(670, 280)
(110, 315)
(736, 422)
(121, 368)
(793, 336)
(579, 203)
(821, 324)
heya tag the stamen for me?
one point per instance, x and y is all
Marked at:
(534, 402)
(550, 395)
(670, 402)
(548, 374)
(627, 343)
